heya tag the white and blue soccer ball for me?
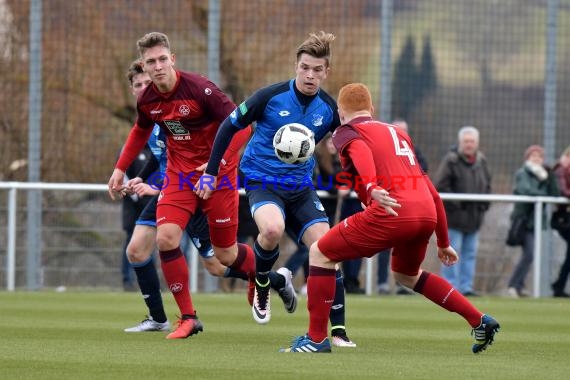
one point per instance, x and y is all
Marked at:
(294, 143)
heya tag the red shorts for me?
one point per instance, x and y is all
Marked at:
(366, 233)
(178, 202)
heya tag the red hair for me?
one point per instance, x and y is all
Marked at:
(355, 97)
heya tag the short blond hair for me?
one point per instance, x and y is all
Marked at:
(151, 40)
(317, 45)
(355, 97)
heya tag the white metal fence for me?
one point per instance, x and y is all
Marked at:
(543, 245)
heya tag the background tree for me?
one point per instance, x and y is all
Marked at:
(404, 90)
(427, 76)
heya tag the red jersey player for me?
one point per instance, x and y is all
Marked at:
(189, 108)
(403, 210)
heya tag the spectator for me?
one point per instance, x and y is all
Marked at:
(464, 170)
(533, 178)
(562, 173)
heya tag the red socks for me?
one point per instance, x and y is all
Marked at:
(245, 261)
(175, 271)
(321, 286)
(439, 291)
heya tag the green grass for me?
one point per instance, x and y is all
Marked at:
(76, 335)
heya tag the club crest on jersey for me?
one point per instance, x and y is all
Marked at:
(317, 120)
(319, 205)
(184, 110)
(208, 91)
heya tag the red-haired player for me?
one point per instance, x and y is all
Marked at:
(371, 150)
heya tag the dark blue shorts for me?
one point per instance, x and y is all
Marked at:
(301, 207)
(147, 216)
(197, 227)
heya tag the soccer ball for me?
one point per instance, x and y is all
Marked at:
(294, 143)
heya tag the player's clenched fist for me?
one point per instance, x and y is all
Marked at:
(116, 183)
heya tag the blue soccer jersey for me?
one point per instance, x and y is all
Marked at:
(271, 108)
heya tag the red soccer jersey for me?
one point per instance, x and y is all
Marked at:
(190, 115)
(393, 167)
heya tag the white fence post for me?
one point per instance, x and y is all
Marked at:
(537, 250)
(11, 247)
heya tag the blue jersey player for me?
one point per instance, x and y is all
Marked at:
(281, 194)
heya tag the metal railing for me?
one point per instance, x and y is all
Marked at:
(13, 188)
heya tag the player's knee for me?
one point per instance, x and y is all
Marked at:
(317, 258)
(168, 237)
(137, 252)
(166, 242)
(272, 233)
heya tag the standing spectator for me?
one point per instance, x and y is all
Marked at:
(384, 256)
(464, 170)
(533, 178)
(562, 173)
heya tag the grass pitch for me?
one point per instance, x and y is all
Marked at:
(78, 335)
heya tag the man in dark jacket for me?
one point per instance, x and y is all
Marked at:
(464, 170)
